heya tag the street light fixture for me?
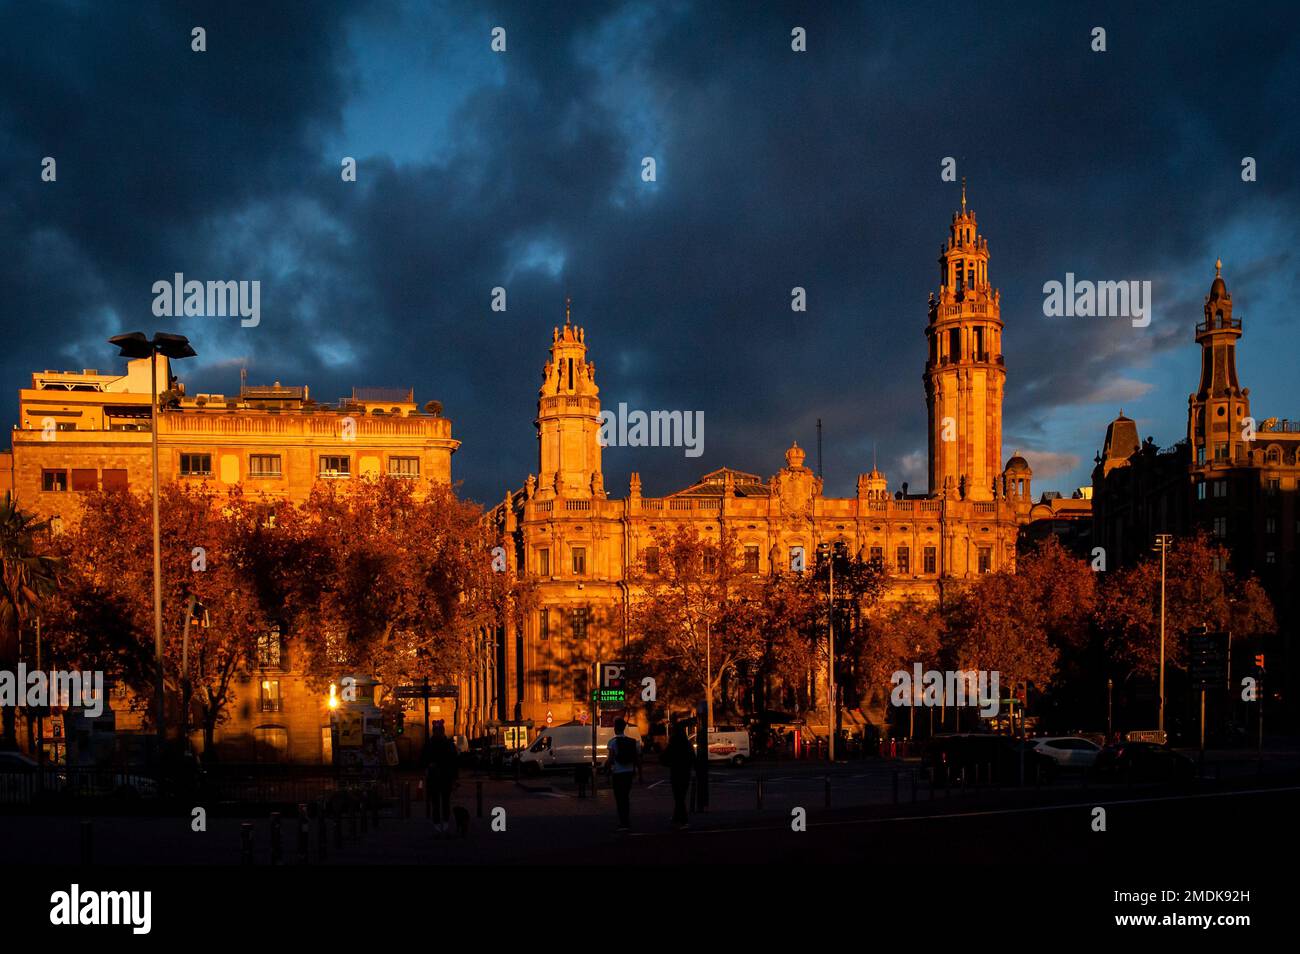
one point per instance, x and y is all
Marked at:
(136, 345)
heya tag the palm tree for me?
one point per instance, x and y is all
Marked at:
(26, 575)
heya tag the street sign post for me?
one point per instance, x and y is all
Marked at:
(1208, 667)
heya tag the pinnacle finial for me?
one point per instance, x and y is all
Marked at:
(1218, 267)
(568, 305)
(963, 195)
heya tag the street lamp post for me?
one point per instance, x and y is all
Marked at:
(1163, 540)
(829, 552)
(136, 345)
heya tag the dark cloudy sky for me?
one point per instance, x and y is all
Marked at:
(775, 169)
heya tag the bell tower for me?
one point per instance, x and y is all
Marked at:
(964, 375)
(1216, 411)
(568, 418)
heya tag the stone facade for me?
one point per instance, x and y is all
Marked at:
(578, 545)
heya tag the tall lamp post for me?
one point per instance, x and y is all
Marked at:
(136, 345)
(828, 551)
(1163, 540)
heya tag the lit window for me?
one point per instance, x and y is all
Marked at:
(403, 467)
(269, 697)
(264, 465)
(54, 480)
(335, 466)
(196, 465)
(268, 649)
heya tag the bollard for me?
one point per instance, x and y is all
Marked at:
(87, 841)
(828, 791)
(758, 790)
(322, 834)
(895, 787)
(304, 835)
(478, 798)
(246, 843)
(277, 849)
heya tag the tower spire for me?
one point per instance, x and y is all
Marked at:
(963, 195)
(568, 305)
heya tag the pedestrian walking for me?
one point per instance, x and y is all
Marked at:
(624, 763)
(440, 771)
(680, 757)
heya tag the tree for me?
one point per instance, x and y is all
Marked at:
(28, 574)
(699, 616)
(1200, 590)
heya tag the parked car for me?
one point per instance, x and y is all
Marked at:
(1144, 762)
(1068, 752)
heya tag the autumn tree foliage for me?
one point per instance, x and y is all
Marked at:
(102, 616)
(1200, 590)
(392, 582)
(379, 577)
(697, 616)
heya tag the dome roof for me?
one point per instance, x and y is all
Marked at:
(1220, 288)
(1018, 465)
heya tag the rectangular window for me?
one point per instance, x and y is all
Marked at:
(954, 343)
(1220, 451)
(55, 481)
(268, 649)
(751, 559)
(1272, 487)
(546, 685)
(711, 563)
(579, 561)
(931, 559)
(196, 465)
(1200, 490)
(113, 478)
(1220, 488)
(652, 559)
(269, 698)
(1220, 527)
(1200, 455)
(904, 560)
(335, 465)
(544, 562)
(403, 467)
(263, 465)
(1270, 525)
(544, 624)
(985, 559)
(877, 554)
(1270, 557)
(580, 685)
(578, 620)
(85, 480)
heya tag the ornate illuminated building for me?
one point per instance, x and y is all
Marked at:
(1233, 476)
(579, 546)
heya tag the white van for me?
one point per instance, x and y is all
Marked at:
(727, 743)
(566, 746)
